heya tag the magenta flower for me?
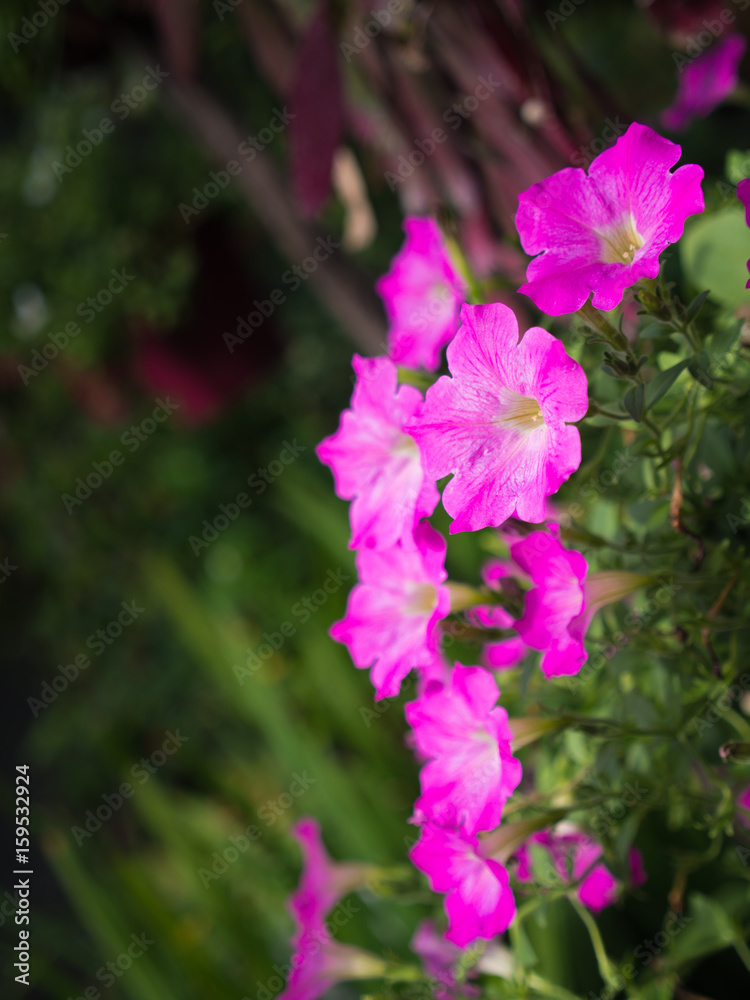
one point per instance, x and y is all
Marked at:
(463, 734)
(743, 193)
(600, 233)
(598, 887)
(499, 424)
(375, 463)
(505, 653)
(705, 82)
(422, 293)
(743, 804)
(323, 881)
(554, 604)
(574, 857)
(564, 599)
(319, 962)
(392, 613)
(637, 870)
(479, 901)
(439, 958)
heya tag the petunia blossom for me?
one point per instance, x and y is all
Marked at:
(323, 882)
(501, 654)
(463, 734)
(555, 601)
(319, 962)
(479, 902)
(392, 615)
(422, 293)
(564, 599)
(439, 958)
(575, 857)
(599, 233)
(500, 423)
(705, 82)
(743, 805)
(375, 463)
(743, 193)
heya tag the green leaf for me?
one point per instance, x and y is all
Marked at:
(737, 165)
(663, 382)
(657, 989)
(698, 366)
(657, 328)
(723, 341)
(714, 253)
(696, 305)
(523, 949)
(634, 401)
(706, 927)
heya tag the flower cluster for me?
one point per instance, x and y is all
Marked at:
(501, 424)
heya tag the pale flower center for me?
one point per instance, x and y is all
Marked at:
(620, 243)
(422, 599)
(405, 445)
(519, 413)
(440, 291)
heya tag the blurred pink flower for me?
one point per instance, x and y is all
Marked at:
(479, 901)
(439, 958)
(705, 82)
(743, 804)
(375, 463)
(463, 734)
(323, 882)
(601, 233)
(319, 962)
(422, 293)
(392, 613)
(573, 857)
(499, 423)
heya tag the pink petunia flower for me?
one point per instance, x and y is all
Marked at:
(463, 734)
(323, 882)
(499, 424)
(743, 193)
(479, 901)
(564, 599)
(375, 463)
(705, 82)
(439, 958)
(743, 804)
(601, 233)
(319, 962)
(636, 867)
(422, 293)
(505, 653)
(554, 603)
(392, 613)
(574, 857)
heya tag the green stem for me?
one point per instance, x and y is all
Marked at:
(647, 422)
(596, 322)
(541, 985)
(462, 265)
(601, 412)
(464, 596)
(606, 966)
